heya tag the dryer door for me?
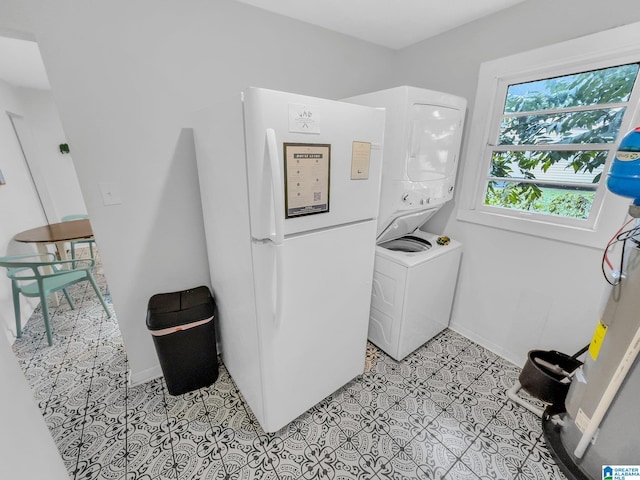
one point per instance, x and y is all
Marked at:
(434, 142)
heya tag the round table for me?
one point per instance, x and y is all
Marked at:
(57, 234)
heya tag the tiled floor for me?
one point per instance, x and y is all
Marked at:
(442, 413)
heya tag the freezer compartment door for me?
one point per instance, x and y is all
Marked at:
(312, 163)
(313, 294)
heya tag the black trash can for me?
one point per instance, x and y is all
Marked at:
(183, 330)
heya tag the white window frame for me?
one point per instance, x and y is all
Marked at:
(609, 48)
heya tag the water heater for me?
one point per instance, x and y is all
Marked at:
(624, 175)
(598, 434)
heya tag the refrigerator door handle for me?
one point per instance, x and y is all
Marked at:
(277, 236)
(278, 285)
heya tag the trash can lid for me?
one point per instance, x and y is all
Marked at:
(179, 308)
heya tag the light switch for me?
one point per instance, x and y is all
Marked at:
(110, 193)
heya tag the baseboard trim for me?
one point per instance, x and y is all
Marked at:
(483, 342)
(138, 378)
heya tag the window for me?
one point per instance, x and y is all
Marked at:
(552, 141)
(545, 127)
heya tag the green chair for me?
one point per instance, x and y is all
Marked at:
(73, 243)
(32, 276)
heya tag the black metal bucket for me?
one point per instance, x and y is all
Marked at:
(541, 375)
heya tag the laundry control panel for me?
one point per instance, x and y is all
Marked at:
(419, 196)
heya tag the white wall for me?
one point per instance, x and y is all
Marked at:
(40, 110)
(27, 450)
(125, 90)
(21, 209)
(125, 76)
(21, 421)
(515, 292)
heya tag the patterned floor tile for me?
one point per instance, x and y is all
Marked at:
(460, 471)
(449, 432)
(432, 457)
(483, 459)
(441, 413)
(349, 465)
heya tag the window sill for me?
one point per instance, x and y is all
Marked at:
(606, 226)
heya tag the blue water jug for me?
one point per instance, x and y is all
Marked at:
(624, 175)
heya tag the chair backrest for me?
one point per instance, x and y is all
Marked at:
(18, 265)
(78, 216)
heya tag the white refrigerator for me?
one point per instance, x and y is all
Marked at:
(290, 190)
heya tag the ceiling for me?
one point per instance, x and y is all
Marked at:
(21, 64)
(390, 23)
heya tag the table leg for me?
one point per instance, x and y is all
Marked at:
(62, 252)
(42, 248)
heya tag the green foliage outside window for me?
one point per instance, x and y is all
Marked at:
(550, 201)
(580, 112)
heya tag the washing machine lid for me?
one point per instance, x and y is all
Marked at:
(405, 224)
(408, 243)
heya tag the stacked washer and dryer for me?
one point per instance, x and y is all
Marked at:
(415, 271)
